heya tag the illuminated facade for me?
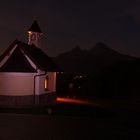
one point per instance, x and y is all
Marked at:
(26, 71)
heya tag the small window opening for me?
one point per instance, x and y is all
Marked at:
(46, 83)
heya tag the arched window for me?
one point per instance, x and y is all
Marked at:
(46, 83)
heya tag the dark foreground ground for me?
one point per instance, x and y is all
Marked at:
(68, 122)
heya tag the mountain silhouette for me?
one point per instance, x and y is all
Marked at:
(92, 60)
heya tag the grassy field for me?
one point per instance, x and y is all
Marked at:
(66, 121)
(63, 109)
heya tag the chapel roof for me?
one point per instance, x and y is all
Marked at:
(17, 61)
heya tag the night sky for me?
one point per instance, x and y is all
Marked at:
(67, 23)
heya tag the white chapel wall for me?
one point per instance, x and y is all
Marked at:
(16, 84)
(51, 83)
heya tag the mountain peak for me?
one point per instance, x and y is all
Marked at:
(100, 48)
(92, 60)
(76, 48)
(100, 45)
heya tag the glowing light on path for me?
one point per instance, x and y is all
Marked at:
(75, 101)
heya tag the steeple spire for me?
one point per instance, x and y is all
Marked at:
(35, 34)
(35, 27)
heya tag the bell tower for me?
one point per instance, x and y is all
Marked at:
(35, 35)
